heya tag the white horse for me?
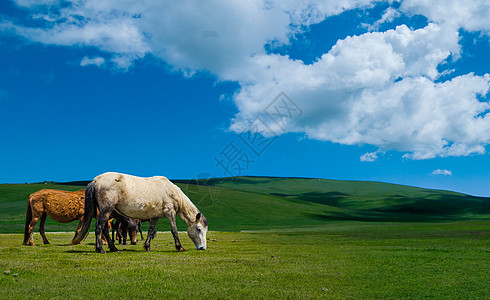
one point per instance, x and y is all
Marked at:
(140, 198)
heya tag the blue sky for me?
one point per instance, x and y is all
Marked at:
(382, 91)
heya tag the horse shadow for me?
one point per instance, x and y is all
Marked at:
(91, 251)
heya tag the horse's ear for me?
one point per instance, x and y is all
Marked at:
(198, 217)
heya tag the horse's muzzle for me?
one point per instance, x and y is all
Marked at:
(201, 248)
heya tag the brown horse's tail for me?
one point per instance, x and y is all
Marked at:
(28, 221)
(90, 211)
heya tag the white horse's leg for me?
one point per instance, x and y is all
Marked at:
(151, 233)
(110, 242)
(175, 233)
(101, 227)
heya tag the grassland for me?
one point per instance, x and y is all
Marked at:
(270, 238)
(345, 260)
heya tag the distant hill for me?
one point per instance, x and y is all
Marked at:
(357, 200)
(75, 183)
(255, 203)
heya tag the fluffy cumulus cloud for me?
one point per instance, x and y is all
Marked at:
(351, 95)
(442, 172)
(377, 88)
(369, 156)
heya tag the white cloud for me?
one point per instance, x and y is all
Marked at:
(469, 15)
(97, 61)
(116, 35)
(442, 172)
(350, 95)
(388, 16)
(216, 37)
(369, 156)
(378, 88)
(315, 11)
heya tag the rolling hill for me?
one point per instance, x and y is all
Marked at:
(256, 203)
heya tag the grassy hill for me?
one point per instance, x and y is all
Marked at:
(359, 200)
(256, 203)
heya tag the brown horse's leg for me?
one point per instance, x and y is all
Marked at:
(35, 219)
(113, 228)
(104, 239)
(41, 228)
(79, 227)
(175, 233)
(109, 228)
(151, 233)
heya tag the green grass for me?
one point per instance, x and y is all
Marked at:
(342, 260)
(284, 238)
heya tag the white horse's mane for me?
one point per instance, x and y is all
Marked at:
(187, 210)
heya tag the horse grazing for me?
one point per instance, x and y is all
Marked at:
(122, 226)
(140, 198)
(61, 206)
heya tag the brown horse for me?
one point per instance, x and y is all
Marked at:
(61, 206)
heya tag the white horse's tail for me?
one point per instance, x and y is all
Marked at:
(91, 205)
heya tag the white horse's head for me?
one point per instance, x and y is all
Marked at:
(197, 231)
